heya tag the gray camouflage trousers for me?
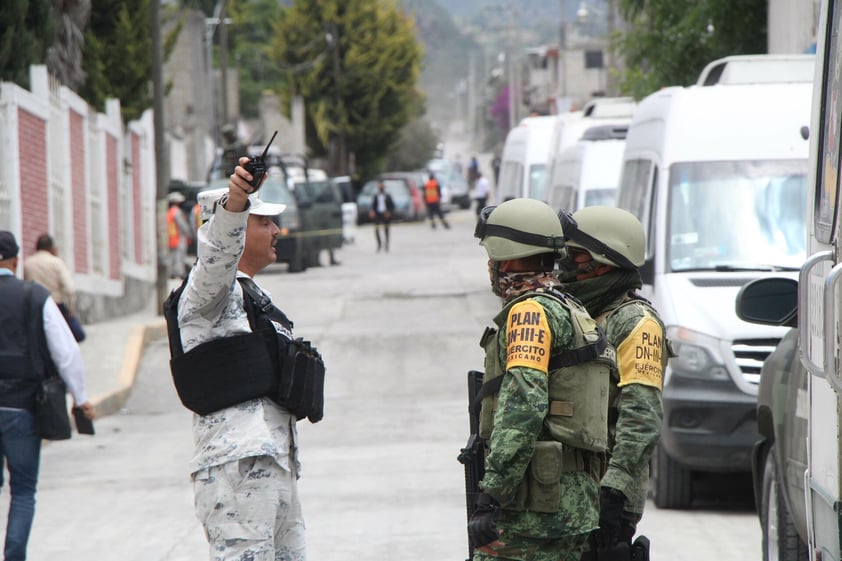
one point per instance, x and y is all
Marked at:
(250, 510)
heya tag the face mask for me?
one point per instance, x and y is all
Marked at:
(570, 268)
(494, 275)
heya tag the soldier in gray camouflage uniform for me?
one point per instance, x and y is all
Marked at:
(245, 466)
(539, 500)
(606, 246)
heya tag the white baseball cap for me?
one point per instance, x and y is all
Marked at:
(209, 198)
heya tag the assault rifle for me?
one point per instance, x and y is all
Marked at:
(472, 456)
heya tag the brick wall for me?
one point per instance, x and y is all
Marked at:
(32, 138)
(87, 177)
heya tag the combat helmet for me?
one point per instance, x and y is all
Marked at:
(611, 235)
(519, 228)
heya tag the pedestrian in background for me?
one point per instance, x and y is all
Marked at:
(46, 267)
(432, 198)
(34, 341)
(606, 247)
(481, 192)
(473, 171)
(178, 236)
(545, 387)
(381, 211)
(245, 466)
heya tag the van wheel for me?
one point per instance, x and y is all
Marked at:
(312, 258)
(781, 541)
(671, 484)
(297, 263)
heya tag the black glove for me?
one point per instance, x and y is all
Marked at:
(482, 527)
(611, 503)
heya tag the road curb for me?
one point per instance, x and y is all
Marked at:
(112, 401)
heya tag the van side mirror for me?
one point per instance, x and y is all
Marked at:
(769, 301)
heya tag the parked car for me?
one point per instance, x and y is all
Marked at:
(405, 194)
(779, 459)
(320, 206)
(319, 203)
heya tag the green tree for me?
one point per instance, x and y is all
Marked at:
(414, 147)
(669, 42)
(118, 55)
(356, 63)
(27, 30)
(250, 38)
(64, 57)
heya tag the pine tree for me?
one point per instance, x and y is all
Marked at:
(356, 63)
(64, 57)
(27, 30)
(118, 55)
(669, 42)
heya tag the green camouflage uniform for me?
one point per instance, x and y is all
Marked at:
(636, 411)
(518, 423)
(639, 416)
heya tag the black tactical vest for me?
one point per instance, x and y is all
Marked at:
(24, 358)
(264, 363)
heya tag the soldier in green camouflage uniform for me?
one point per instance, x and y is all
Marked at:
(531, 509)
(605, 248)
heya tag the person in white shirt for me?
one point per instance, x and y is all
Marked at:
(46, 267)
(35, 342)
(481, 192)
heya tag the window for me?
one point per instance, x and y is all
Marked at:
(736, 215)
(593, 59)
(634, 186)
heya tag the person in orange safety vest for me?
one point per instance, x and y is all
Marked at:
(178, 236)
(432, 198)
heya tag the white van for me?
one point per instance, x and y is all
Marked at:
(525, 159)
(588, 173)
(570, 128)
(717, 175)
(532, 146)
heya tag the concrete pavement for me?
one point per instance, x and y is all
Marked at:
(112, 351)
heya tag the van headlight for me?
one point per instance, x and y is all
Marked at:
(699, 356)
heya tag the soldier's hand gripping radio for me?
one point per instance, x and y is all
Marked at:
(256, 166)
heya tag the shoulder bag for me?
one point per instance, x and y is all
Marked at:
(51, 417)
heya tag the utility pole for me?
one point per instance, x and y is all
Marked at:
(563, 48)
(223, 62)
(610, 86)
(210, 27)
(340, 163)
(161, 172)
(472, 109)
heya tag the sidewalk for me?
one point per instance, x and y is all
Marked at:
(112, 351)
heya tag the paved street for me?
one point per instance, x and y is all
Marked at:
(398, 331)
